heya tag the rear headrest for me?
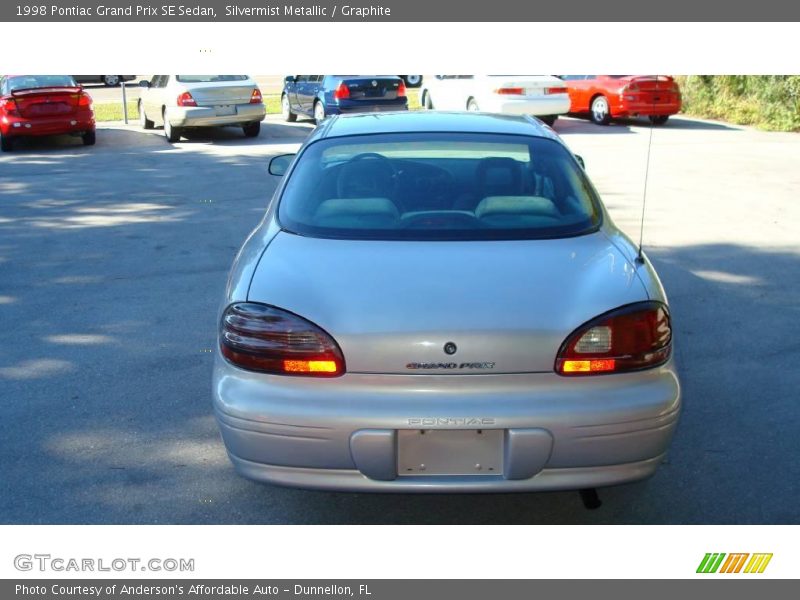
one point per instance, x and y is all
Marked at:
(516, 205)
(356, 212)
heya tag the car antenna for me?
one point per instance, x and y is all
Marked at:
(640, 255)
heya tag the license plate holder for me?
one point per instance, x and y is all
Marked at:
(432, 452)
(225, 110)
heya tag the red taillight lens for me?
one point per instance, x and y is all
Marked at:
(10, 107)
(263, 338)
(510, 91)
(341, 92)
(185, 99)
(638, 336)
(255, 97)
(85, 100)
(631, 87)
(401, 89)
(555, 90)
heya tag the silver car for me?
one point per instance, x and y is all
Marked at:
(439, 302)
(180, 102)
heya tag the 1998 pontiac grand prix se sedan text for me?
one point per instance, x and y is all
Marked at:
(439, 302)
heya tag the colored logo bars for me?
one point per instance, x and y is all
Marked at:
(733, 563)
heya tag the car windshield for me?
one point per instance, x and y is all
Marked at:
(23, 82)
(210, 78)
(438, 187)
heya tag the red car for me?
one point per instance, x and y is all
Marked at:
(35, 105)
(604, 97)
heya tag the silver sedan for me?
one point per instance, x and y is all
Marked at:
(439, 302)
(181, 102)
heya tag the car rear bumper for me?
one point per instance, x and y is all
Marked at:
(80, 122)
(342, 434)
(355, 107)
(630, 109)
(556, 104)
(210, 116)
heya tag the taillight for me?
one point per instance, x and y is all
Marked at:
(10, 107)
(631, 87)
(341, 92)
(401, 89)
(185, 99)
(255, 97)
(634, 337)
(555, 90)
(84, 100)
(510, 91)
(263, 338)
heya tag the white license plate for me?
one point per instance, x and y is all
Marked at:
(449, 452)
(224, 111)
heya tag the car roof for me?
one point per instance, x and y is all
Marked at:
(431, 122)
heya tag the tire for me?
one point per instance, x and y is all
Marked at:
(6, 143)
(427, 103)
(89, 138)
(286, 110)
(472, 106)
(549, 119)
(599, 112)
(319, 112)
(252, 129)
(111, 80)
(173, 134)
(144, 122)
(658, 119)
(412, 81)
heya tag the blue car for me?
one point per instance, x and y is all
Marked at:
(319, 96)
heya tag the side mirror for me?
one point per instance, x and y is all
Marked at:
(290, 79)
(279, 165)
(580, 161)
(144, 83)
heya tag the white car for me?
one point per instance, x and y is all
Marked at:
(543, 96)
(179, 102)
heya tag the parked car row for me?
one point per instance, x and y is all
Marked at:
(36, 105)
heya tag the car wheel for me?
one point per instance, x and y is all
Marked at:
(173, 134)
(319, 112)
(413, 80)
(472, 105)
(427, 103)
(658, 119)
(252, 129)
(599, 112)
(286, 110)
(549, 119)
(89, 138)
(6, 143)
(144, 122)
(111, 80)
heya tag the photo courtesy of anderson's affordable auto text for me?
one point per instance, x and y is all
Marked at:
(358, 322)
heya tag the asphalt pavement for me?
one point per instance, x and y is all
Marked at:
(113, 260)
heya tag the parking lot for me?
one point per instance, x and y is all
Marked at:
(113, 260)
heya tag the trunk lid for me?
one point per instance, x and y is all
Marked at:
(393, 306)
(224, 92)
(47, 102)
(372, 88)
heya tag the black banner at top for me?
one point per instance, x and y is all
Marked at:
(399, 11)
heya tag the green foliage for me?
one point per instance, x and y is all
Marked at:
(771, 102)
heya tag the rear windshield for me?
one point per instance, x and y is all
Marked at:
(438, 187)
(37, 81)
(210, 78)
